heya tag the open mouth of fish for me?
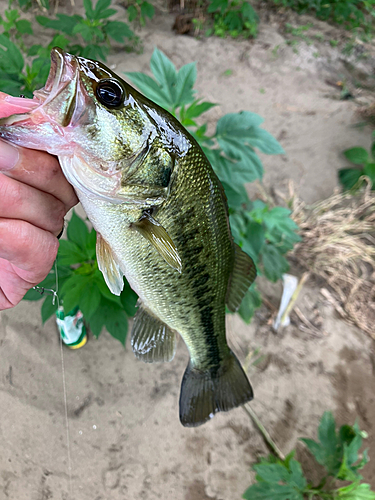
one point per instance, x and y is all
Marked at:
(61, 97)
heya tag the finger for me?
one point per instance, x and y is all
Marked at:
(37, 169)
(30, 249)
(20, 201)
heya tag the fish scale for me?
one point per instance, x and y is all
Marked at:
(161, 218)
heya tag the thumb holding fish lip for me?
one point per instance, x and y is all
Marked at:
(9, 156)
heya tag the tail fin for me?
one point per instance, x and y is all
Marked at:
(203, 393)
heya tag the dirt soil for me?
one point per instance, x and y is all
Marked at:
(125, 439)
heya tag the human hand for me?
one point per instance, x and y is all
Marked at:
(34, 198)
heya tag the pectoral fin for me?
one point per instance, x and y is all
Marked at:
(155, 233)
(152, 341)
(108, 266)
(243, 274)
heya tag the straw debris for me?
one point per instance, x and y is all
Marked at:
(338, 246)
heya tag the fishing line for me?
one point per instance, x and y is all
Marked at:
(55, 298)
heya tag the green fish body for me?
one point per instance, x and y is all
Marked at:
(161, 217)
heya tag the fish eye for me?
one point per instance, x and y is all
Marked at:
(110, 93)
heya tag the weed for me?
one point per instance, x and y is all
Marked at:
(349, 13)
(23, 68)
(234, 18)
(365, 162)
(337, 452)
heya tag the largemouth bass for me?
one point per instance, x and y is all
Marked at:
(161, 216)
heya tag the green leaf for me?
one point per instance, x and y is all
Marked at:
(11, 59)
(326, 452)
(373, 150)
(63, 22)
(88, 9)
(250, 303)
(358, 156)
(274, 264)
(165, 74)
(32, 295)
(77, 231)
(69, 253)
(272, 473)
(236, 195)
(272, 491)
(264, 141)
(356, 492)
(132, 13)
(87, 32)
(115, 320)
(296, 475)
(197, 108)
(96, 322)
(147, 10)
(217, 5)
(327, 431)
(73, 290)
(101, 6)
(10, 86)
(149, 88)
(129, 300)
(369, 170)
(48, 308)
(349, 177)
(24, 26)
(184, 92)
(254, 239)
(281, 229)
(118, 31)
(238, 170)
(236, 131)
(89, 301)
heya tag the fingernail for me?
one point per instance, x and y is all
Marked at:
(9, 156)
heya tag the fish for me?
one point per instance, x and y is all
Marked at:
(161, 217)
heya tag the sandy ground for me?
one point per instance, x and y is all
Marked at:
(125, 438)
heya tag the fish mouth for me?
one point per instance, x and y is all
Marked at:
(57, 100)
(64, 68)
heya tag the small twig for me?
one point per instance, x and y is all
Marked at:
(269, 441)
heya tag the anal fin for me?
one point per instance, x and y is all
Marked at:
(107, 264)
(243, 274)
(205, 392)
(152, 340)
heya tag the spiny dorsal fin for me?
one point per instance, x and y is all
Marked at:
(155, 233)
(108, 266)
(205, 392)
(243, 274)
(152, 341)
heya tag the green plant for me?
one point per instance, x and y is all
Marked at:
(139, 10)
(233, 17)
(89, 36)
(337, 452)
(349, 13)
(81, 283)
(265, 233)
(23, 69)
(349, 177)
(14, 27)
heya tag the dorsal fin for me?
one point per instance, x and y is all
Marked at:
(243, 274)
(155, 233)
(152, 340)
(108, 266)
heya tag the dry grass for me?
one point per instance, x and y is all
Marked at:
(339, 246)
